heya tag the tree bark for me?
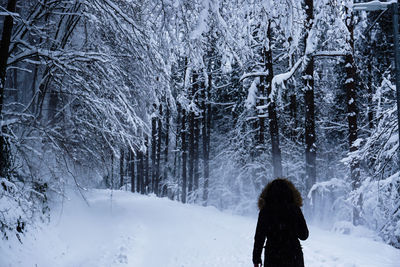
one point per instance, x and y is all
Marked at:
(370, 108)
(273, 118)
(153, 152)
(293, 115)
(194, 88)
(158, 152)
(178, 148)
(121, 168)
(208, 137)
(204, 133)
(112, 170)
(261, 113)
(308, 78)
(4, 49)
(132, 169)
(140, 173)
(145, 185)
(166, 167)
(196, 145)
(352, 112)
(4, 54)
(184, 155)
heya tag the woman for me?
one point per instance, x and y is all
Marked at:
(280, 221)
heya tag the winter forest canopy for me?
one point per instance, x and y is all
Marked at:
(200, 101)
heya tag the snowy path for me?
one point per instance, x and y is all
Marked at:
(135, 230)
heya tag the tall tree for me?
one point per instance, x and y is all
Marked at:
(308, 78)
(153, 151)
(166, 163)
(4, 55)
(184, 155)
(139, 172)
(273, 119)
(158, 153)
(192, 122)
(206, 107)
(352, 112)
(146, 186)
(121, 168)
(132, 169)
(197, 120)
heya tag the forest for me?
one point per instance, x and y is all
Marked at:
(202, 102)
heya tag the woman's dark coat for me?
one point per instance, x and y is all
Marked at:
(282, 223)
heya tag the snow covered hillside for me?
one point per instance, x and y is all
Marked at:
(137, 230)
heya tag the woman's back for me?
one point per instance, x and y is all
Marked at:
(281, 222)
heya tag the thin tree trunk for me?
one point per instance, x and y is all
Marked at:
(158, 152)
(166, 167)
(153, 152)
(273, 119)
(261, 116)
(112, 170)
(132, 169)
(208, 137)
(178, 148)
(196, 155)
(191, 135)
(293, 115)
(308, 77)
(121, 168)
(205, 134)
(139, 172)
(184, 155)
(369, 89)
(352, 111)
(196, 144)
(145, 185)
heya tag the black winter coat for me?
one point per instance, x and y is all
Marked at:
(282, 224)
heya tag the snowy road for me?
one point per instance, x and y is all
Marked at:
(134, 230)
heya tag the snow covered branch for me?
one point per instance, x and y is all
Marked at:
(253, 74)
(281, 78)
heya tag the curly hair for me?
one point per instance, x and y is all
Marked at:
(280, 191)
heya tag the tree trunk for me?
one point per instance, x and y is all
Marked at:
(352, 111)
(293, 115)
(205, 98)
(308, 78)
(261, 112)
(178, 148)
(184, 155)
(196, 155)
(370, 108)
(273, 119)
(166, 167)
(132, 169)
(153, 152)
(158, 152)
(112, 170)
(140, 173)
(208, 136)
(4, 47)
(191, 135)
(121, 168)
(145, 185)
(4, 54)
(196, 146)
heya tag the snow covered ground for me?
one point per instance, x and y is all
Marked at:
(135, 230)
